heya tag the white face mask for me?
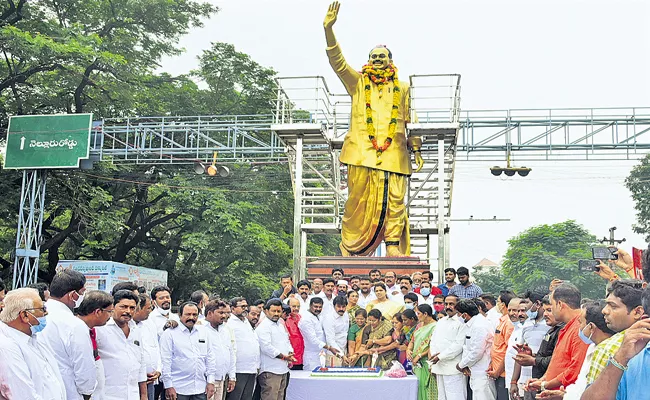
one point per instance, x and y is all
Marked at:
(163, 311)
(79, 300)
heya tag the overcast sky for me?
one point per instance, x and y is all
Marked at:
(511, 54)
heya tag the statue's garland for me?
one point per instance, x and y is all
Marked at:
(380, 77)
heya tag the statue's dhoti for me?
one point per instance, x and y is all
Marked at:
(374, 211)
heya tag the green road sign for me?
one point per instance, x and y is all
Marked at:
(47, 141)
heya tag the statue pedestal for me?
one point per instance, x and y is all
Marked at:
(322, 267)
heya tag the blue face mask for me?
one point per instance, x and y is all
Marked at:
(531, 314)
(425, 292)
(584, 338)
(42, 321)
(408, 306)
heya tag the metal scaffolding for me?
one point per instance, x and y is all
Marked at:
(307, 130)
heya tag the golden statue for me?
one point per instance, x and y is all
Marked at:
(375, 150)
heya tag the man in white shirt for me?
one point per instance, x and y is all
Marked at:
(120, 347)
(149, 343)
(95, 311)
(446, 351)
(189, 364)
(222, 346)
(337, 325)
(476, 350)
(365, 294)
(276, 355)
(313, 333)
(328, 295)
(532, 332)
(162, 301)
(248, 351)
(493, 315)
(68, 337)
(201, 298)
(392, 288)
(317, 286)
(28, 369)
(425, 296)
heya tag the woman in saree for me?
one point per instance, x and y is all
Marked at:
(353, 299)
(377, 333)
(355, 333)
(399, 343)
(387, 307)
(418, 351)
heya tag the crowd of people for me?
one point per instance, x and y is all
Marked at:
(61, 341)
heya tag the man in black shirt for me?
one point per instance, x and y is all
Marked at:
(540, 361)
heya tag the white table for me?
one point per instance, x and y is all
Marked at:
(305, 387)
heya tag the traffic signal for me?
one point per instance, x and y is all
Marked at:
(510, 171)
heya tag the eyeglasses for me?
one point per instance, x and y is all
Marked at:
(110, 312)
(44, 309)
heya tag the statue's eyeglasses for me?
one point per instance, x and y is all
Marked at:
(376, 56)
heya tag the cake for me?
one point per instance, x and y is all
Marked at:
(347, 372)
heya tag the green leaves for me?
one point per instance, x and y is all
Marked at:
(638, 183)
(541, 254)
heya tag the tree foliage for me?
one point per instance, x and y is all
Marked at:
(229, 235)
(546, 252)
(638, 183)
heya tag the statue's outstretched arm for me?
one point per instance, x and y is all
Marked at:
(345, 72)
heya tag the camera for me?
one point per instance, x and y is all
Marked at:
(604, 253)
(588, 265)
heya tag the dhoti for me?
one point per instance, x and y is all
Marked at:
(374, 211)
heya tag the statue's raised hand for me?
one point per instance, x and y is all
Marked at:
(332, 14)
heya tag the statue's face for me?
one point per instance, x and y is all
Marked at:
(379, 58)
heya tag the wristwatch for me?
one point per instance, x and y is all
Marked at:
(543, 387)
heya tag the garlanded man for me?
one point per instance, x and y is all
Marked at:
(375, 150)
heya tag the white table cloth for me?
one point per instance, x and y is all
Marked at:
(305, 387)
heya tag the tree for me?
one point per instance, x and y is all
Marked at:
(638, 183)
(491, 279)
(545, 252)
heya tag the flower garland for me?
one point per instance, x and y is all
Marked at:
(380, 77)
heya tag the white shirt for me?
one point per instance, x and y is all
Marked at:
(336, 330)
(478, 345)
(28, 369)
(428, 300)
(159, 320)
(328, 304)
(224, 350)
(274, 340)
(247, 345)
(187, 360)
(533, 334)
(150, 346)
(394, 288)
(447, 340)
(493, 315)
(363, 300)
(511, 352)
(124, 360)
(313, 334)
(69, 339)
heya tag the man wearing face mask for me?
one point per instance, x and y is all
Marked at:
(68, 336)
(201, 298)
(532, 333)
(162, 313)
(439, 306)
(28, 369)
(570, 351)
(426, 296)
(446, 350)
(410, 301)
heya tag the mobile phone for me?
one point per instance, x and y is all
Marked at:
(587, 265)
(604, 253)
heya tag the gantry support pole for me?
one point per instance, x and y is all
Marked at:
(297, 215)
(442, 253)
(30, 226)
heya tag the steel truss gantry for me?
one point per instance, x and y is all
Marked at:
(307, 130)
